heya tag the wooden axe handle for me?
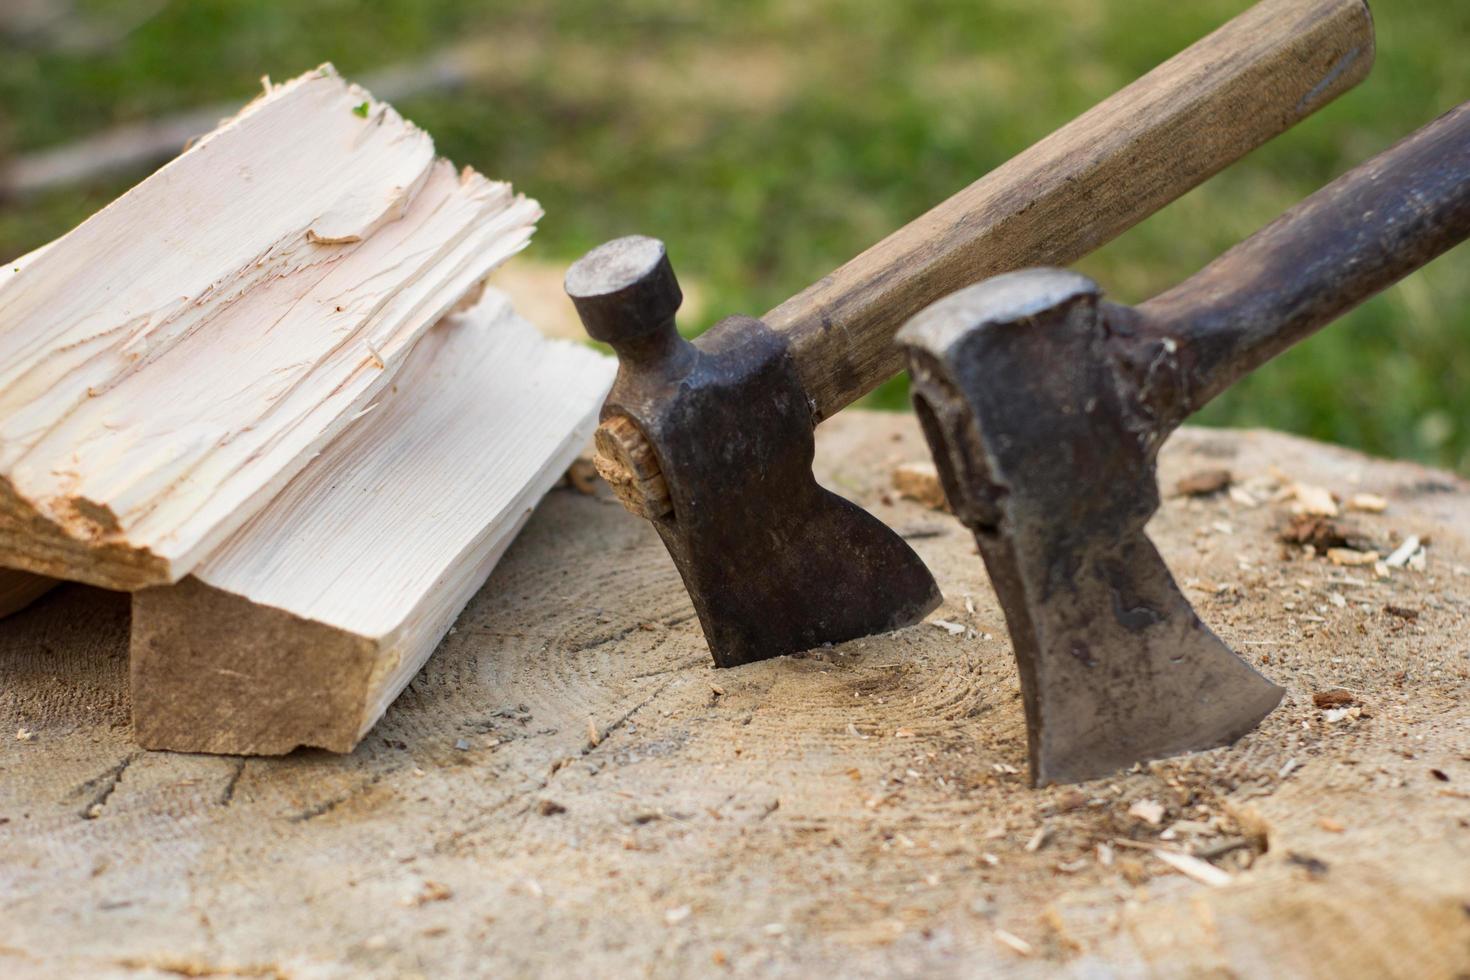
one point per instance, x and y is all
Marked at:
(1082, 186)
(1353, 238)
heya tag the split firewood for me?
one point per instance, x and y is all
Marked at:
(170, 364)
(20, 589)
(310, 620)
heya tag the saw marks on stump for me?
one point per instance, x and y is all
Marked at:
(477, 829)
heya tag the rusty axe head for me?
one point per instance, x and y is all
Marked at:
(1040, 456)
(774, 563)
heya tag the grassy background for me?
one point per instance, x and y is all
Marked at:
(768, 141)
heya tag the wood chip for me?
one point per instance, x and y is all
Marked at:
(1013, 942)
(920, 482)
(594, 738)
(952, 628)
(1323, 533)
(1312, 500)
(1150, 812)
(1401, 555)
(1330, 825)
(432, 891)
(1203, 483)
(1192, 867)
(1350, 557)
(1368, 503)
(1334, 697)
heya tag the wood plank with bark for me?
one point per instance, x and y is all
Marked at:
(304, 626)
(171, 363)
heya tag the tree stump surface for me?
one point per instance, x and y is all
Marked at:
(570, 788)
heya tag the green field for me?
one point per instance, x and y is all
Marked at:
(768, 141)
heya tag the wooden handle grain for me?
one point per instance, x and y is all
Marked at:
(1085, 184)
(1350, 240)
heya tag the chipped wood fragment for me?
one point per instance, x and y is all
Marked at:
(1367, 503)
(1312, 500)
(1334, 697)
(1150, 812)
(1192, 867)
(1203, 483)
(1402, 555)
(1348, 557)
(919, 481)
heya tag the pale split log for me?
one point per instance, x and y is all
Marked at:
(20, 589)
(310, 620)
(170, 364)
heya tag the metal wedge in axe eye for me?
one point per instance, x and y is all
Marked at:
(1045, 408)
(713, 440)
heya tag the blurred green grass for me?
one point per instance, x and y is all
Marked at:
(768, 141)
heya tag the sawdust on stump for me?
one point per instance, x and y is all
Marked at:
(619, 807)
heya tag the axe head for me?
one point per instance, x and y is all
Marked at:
(1047, 454)
(774, 563)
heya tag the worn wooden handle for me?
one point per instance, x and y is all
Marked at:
(1353, 238)
(1088, 182)
(1083, 185)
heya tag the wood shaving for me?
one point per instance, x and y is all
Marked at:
(1192, 867)
(1312, 500)
(1367, 503)
(1150, 812)
(1203, 483)
(1334, 697)
(1401, 555)
(920, 482)
(1013, 942)
(1349, 557)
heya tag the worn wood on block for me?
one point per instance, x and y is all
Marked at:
(1065, 196)
(167, 366)
(860, 811)
(20, 589)
(307, 623)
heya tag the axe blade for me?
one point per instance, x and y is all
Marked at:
(1046, 460)
(774, 563)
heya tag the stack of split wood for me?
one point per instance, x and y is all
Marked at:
(266, 392)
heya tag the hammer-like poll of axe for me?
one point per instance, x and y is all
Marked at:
(713, 441)
(1045, 408)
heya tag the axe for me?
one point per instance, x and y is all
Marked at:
(713, 440)
(1045, 408)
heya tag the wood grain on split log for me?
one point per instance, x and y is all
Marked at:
(20, 589)
(172, 362)
(1072, 192)
(304, 626)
